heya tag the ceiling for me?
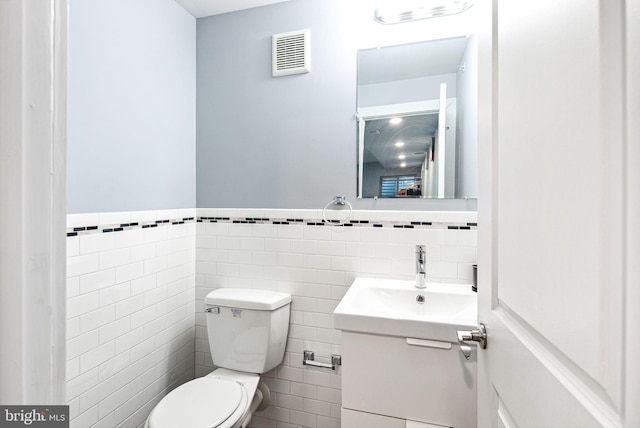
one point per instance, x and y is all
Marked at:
(202, 8)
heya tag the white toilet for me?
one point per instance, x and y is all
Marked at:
(247, 332)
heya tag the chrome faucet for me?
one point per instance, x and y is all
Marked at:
(421, 278)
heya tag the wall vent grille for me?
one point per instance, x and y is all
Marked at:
(290, 53)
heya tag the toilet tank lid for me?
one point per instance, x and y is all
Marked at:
(262, 300)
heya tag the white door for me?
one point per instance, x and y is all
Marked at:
(554, 252)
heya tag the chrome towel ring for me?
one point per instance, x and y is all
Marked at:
(338, 200)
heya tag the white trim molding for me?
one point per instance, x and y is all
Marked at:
(632, 214)
(32, 201)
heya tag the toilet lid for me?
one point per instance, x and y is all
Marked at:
(200, 403)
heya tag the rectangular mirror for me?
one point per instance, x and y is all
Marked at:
(417, 119)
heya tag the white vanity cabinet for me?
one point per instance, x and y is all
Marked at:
(391, 382)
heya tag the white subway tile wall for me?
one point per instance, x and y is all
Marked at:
(135, 297)
(316, 265)
(130, 315)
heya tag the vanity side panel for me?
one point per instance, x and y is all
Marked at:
(385, 375)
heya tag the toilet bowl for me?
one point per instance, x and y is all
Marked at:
(224, 399)
(247, 331)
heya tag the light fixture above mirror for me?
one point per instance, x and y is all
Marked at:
(419, 9)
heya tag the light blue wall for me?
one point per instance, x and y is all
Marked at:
(269, 142)
(262, 142)
(290, 142)
(131, 107)
(406, 91)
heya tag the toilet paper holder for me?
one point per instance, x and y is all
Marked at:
(308, 359)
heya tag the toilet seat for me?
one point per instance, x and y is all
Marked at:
(201, 403)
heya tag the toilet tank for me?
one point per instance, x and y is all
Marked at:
(247, 328)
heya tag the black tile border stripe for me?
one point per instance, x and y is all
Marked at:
(415, 225)
(350, 223)
(120, 227)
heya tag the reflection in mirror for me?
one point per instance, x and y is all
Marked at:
(398, 153)
(417, 114)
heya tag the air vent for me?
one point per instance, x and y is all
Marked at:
(290, 53)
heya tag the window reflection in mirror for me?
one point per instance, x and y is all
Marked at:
(417, 114)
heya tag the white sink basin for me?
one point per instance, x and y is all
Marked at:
(389, 307)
